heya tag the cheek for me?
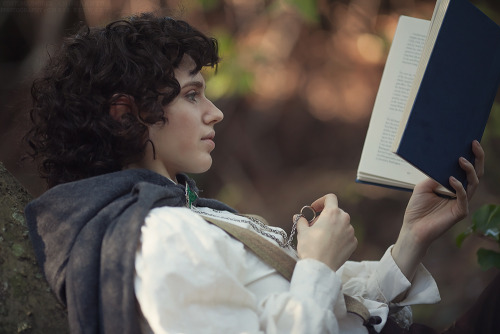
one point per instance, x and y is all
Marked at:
(181, 133)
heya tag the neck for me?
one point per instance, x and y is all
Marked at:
(161, 171)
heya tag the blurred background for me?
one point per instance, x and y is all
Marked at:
(297, 85)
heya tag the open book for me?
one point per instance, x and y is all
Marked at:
(437, 89)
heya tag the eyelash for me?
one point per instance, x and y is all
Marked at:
(191, 96)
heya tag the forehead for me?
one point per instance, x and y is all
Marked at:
(183, 72)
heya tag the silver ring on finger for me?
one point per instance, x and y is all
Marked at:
(309, 213)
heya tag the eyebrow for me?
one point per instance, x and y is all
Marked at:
(194, 83)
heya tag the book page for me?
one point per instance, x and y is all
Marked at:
(437, 20)
(377, 159)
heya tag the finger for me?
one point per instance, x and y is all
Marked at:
(472, 178)
(302, 223)
(426, 186)
(311, 223)
(354, 244)
(478, 151)
(462, 202)
(329, 200)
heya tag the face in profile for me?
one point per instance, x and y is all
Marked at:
(184, 142)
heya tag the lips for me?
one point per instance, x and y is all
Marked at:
(208, 139)
(210, 136)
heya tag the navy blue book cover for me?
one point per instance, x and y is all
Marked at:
(456, 94)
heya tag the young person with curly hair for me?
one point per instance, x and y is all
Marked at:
(119, 117)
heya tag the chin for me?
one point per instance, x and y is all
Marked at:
(202, 167)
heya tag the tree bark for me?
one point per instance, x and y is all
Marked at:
(27, 305)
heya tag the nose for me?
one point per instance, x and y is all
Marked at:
(213, 114)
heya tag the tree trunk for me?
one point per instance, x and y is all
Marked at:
(27, 305)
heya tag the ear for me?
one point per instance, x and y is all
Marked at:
(120, 105)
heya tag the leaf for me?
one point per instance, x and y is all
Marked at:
(486, 221)
(488, 259)
(461, 237)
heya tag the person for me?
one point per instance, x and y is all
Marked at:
(119, 118)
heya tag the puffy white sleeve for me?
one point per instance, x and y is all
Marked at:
(378, 283)
(191, 277)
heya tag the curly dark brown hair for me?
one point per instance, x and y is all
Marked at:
(73, 136)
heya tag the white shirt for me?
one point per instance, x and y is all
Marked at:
(192, 277)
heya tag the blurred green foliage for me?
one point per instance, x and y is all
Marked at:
(486, 220)
(231, 78)
(493, 128)
(234, 77)
(486, 7)
(209, 4)
(308, 9)
(486, 223)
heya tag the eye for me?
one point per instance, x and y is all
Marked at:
(191, 95)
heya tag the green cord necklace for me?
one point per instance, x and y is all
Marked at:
(191, 196)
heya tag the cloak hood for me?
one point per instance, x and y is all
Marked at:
(85, 235)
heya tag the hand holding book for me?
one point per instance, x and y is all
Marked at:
(428, 216)
(435, 96)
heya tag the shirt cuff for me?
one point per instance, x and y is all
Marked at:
(424, 289)
(391, 282)
(314, 280)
